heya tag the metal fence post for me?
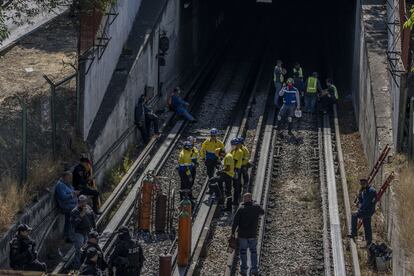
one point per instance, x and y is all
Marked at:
(53, 118)
(411, 130)
(23, 176)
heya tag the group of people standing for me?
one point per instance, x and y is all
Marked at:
(296, 89)
(225, 170)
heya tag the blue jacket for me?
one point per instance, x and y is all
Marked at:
(64, 196)
(178, 103)
(367, 201)
(290, 95)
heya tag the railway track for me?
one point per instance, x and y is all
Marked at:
(233, 76)
(295, 182)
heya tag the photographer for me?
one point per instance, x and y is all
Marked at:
(83, 221)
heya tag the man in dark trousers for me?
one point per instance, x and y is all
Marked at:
(245, 222)
(23, 254)
(128, 257)
(82, 181)
(144, 118)
(67, 199)
(366, 199)
(83, 221)
(90, 266)
(93, 239)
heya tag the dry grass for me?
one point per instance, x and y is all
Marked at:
(405, 201)
(13, 198)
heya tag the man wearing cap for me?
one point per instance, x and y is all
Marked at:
(23, 254)
(245, 162)
(67, 199)
(93, 238)
(90, 266)
(82, 181)
(128, 257)
(83, 221)
(366, 202)
(185, 165)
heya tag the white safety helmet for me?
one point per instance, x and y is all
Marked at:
(298, 113)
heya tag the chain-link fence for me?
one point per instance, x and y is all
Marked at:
(37, 131)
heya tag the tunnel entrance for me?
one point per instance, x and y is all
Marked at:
(317, 34)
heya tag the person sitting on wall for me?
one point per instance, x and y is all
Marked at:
(23, 253)
(179, 106)
(66, 198)
(84, 182)
(144, 118)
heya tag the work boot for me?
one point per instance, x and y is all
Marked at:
(290, 129)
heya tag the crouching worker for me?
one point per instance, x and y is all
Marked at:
(90, 266)
(180, 106)
(221, 184)
(23, 254)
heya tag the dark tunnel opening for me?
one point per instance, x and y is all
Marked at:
(317, 34)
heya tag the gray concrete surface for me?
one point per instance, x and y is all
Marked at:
(376, 99)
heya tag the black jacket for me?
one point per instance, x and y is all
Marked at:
(246, 220)
(22, 252)
(80, 179)
(128, 254)
(101, 264)
(85, 224)
(89, 268)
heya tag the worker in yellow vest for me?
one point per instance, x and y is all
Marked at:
(194, 158)
(185, 165)
(329, 97)
(207, 151)
(220, 185)
(313, 89)
(278, 78)
(238, 154)
(298, 77)
(245, 163)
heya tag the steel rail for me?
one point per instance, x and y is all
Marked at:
(335, 225)
(205, 214)
(354, 252)
(128, 178)
(254, 155)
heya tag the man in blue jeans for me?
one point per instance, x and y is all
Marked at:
(67, 199)
(245, 222)
(180, 106)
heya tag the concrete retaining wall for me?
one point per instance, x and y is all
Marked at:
(376, 101)
(101, 70)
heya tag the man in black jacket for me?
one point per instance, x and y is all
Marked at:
(82, 180)
(93, 238)
(128, 257)
(144, 117)
(23, 254)
(245, 222)
(83, 221)
(90, 266)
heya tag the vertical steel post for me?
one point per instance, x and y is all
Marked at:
(78, 105)
(23, 176)
(158, 64)
(411, 130)
(23, 172)
(53, 118)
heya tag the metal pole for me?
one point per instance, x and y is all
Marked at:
(411, 130)
(78, 105)
(53, 117)
(23, 176)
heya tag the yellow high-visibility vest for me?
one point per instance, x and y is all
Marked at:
(335, 91)
(281, 78)
(311, 86)
(297, 73)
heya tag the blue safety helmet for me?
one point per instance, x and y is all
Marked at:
(188, 145)
(235, 141)
(241, 139)
(214, 131)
